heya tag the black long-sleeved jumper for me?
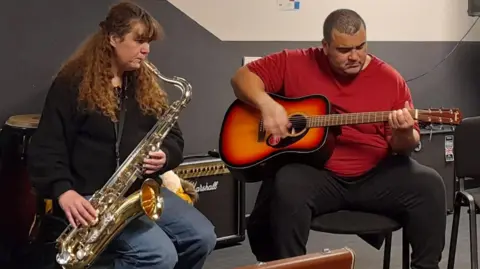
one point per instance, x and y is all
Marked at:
(75, 149)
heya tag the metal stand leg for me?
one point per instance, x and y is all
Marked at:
(388, 251)
(405, 251)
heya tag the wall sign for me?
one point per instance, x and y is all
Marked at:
(249, 59)
(288, 5)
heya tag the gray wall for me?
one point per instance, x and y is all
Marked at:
(39, 35)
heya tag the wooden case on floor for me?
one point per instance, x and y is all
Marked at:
(343, 258)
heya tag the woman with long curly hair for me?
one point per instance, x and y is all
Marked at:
(102, 103)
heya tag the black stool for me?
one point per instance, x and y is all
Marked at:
(362, 223)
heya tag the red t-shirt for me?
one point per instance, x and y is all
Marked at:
(379, 87)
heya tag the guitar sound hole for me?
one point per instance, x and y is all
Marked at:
(297, 131)
(299, 123)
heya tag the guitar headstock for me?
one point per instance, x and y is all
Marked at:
(450, 116)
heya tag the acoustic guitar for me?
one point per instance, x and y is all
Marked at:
(244, 142)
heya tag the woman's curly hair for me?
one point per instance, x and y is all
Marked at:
(92, 62)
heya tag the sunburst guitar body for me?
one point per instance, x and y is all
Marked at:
(245, 143)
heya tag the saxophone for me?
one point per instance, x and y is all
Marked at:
(80, 247)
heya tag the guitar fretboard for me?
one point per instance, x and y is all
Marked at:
(345, 119)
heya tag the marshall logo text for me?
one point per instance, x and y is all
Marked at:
(206, 186)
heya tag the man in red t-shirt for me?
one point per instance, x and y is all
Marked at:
(369, 170)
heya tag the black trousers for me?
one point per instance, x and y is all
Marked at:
(399, 187)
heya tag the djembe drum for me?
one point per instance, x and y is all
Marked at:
(16, 194)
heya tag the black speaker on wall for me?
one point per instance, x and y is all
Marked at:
(431, 152)
(473, 8)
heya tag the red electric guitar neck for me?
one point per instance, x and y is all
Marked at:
(244, 142)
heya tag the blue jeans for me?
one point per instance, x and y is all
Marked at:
(182, 239)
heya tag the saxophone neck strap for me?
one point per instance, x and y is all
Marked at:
(119, 132)
(122, 96)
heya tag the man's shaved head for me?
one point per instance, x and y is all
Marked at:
(345, 21)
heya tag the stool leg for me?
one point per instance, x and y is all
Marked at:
(388, 251)
(405, 251)
(454, 235)
(473, 236)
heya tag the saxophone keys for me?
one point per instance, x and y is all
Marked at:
(95, 221)
(155, 147)
(63, 257)
(81, 254)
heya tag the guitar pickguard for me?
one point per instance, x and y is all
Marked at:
(297, 131)
(283, 142)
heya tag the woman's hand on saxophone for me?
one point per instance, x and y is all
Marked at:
(77, 209)
(155, 161)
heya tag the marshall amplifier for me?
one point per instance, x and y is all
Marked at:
(436, 151)
(221, 197)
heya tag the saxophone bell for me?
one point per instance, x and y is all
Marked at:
(151, 199)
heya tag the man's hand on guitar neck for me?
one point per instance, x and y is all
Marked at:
(275, 118)
(401, 120)
(404, 136)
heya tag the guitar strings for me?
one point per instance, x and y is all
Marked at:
(338, 116)
(365, 114)
(359, 116)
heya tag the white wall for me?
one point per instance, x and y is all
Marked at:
(387, 20)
